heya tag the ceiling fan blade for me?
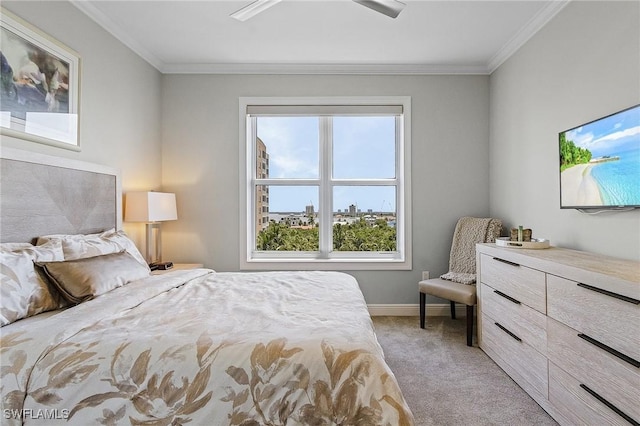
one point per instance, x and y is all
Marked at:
(391, 8)
(252, 9)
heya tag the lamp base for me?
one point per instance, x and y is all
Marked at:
(154, 243)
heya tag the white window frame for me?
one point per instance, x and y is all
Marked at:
(251, 259)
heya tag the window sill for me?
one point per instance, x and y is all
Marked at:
(325, 265)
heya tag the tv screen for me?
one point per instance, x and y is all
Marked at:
(600, 162)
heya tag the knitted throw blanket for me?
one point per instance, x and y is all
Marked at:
(462, 259)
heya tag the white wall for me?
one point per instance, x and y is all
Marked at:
(200, 157)
(119, 98)
(583, 65)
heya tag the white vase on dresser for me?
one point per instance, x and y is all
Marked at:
(565, 325)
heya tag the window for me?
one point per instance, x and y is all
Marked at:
(327, 183)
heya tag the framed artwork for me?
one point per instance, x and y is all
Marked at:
(39, 89)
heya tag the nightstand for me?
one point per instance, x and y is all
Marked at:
(178, 266)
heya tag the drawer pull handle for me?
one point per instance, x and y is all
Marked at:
(610, 293)
(509, 298)
(609, 349)
(610, 405)
(508, 332)
(506, 261)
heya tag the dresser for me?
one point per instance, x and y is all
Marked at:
(565, 325)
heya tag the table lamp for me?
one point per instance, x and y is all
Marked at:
(152, 208)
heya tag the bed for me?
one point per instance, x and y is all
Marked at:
(116, 345)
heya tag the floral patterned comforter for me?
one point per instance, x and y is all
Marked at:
(204, 348)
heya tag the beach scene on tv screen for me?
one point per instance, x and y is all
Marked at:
(600, 162)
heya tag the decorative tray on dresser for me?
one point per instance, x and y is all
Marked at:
(565, 325)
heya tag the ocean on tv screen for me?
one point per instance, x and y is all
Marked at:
(610, 180)
(619, 180)
(600, 162)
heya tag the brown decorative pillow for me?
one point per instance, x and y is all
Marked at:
(82, 279)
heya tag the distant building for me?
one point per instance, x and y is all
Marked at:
(310, 211)
(352, 210)
(262, 191)
(294, 220)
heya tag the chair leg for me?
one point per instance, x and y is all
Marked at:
(453, 309)
(469, 325)
(423, 302)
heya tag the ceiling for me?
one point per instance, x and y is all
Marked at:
(323, 36)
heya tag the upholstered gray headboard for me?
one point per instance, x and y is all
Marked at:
(41, 194)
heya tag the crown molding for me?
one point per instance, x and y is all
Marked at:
(534, 25)
(323, 69)
(118, 32)
(512, 46)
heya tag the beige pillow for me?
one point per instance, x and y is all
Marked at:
(81, 246)
(82, 279)
(23, 292)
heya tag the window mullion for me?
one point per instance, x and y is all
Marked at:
(365, 182)
(326, 196)
(287, 182)
(252, 124)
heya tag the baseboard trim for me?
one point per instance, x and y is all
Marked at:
(413, 310)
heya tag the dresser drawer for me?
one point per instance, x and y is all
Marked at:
(531, 364)
(525, 322)
(578, 405)
(613, 378)
(524, 284)
(608, 319)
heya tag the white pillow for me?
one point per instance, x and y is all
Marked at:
(23, 292)
(14, 246)
(80, 246)
(123, 240)
(45, 238)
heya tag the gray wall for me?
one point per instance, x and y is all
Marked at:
(181, 132)
(119, 98)
(200, 162)
(583, 65)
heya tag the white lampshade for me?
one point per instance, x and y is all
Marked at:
(150, 207)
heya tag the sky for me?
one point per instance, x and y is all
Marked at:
(609, 135)
(363, 148)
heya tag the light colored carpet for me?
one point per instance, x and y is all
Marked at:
(445, 382)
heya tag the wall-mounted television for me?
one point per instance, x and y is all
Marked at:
(600, 163)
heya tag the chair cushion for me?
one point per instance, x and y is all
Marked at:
(456, 292)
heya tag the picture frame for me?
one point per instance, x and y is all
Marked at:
(40, 85)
